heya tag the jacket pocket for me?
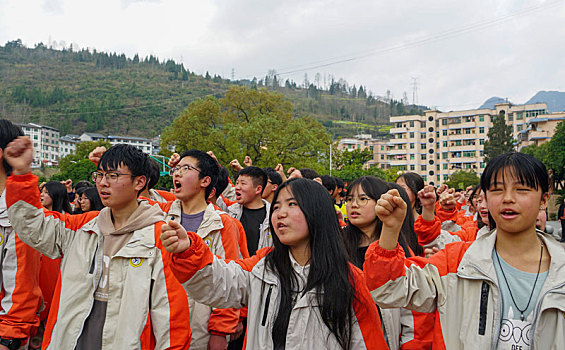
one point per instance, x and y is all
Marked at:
(266, 307)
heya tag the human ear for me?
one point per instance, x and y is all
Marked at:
(205, 181)
(140, 182)
(258, 189)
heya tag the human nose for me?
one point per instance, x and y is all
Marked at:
(508, 196)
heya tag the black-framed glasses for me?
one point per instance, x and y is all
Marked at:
(111, 176)
(182, 169)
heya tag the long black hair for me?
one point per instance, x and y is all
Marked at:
(95, 202)
(330, 273)
(374, 188)
(58, 193)
(415, 183)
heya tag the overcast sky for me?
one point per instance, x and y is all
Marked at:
(460, 52)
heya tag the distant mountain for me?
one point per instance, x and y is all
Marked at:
(555, 100)
(491, 102)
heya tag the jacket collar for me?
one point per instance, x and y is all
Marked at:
(144, 238)
(477, 260)
(211, 221)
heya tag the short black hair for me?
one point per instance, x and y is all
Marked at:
(154, 173)
(8, 132)
(207, 166)
(339, 182)
(529, 170)
(82, 184)
(272, 174)
(222, 182)
(308, 173)
(329, 183)
(126, 155)
(257, 175)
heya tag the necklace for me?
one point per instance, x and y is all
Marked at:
(507, 285)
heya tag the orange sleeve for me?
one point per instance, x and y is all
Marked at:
(169, 197)
(20, 294)
(178, 310)
(367, 314)
(427, 231)
(224, 321)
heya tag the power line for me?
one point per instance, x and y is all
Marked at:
(432, 38)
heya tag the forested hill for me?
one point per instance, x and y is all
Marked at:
(78, 91)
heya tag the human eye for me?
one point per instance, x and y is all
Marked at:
(349, 198)
(112, 176)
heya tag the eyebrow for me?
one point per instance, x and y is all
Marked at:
(287, 200)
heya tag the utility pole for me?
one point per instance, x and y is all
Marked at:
(233, 74)
(414, 90)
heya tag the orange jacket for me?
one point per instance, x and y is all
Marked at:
(152, 311)
(20, 295)
(240, 282)
(429, 231)
(455, 215)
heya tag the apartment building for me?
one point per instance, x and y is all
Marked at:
(45, 143)
(146, 145)
(378, 148)
(437, 144)
(68, 144)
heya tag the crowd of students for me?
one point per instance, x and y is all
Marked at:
(275, 260)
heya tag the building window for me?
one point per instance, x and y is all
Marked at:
(423, 146)
(510, 118)
(412, 135)
(382, 156)
(482, 164)
(382, 148)
(482, 118)
(444, 143)
(467, 131)
(411, 146)
(444, 155)
(481, 130)
(424, 167)
(482, 142)
(519, 116)
(411, 123)
(444, 132)
(411, 157)
(423, 157)
(412, 167)
(445, 166)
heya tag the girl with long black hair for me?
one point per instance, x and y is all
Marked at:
(302, 293)
(54, 197)
(364, 227)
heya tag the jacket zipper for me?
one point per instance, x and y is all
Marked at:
(97, 277)
(497, 329)
(266, 307)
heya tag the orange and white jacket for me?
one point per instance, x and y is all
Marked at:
(20, 296)
(147, 307)
(431, 234)
(460, 282)
(250, 282)
(219, 232)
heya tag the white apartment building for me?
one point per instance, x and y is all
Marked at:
(437, 144)
(68, 145)
(45, 143)
(378, 148)
(146, 145)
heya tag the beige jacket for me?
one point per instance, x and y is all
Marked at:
(460, 281)
(220, 235)
(145, 300)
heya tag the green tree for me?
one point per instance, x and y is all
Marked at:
(350, 165)
(252, 122)
(77, 171)
(552, 153)
(499, 138)
(81, 153)
(462, 179)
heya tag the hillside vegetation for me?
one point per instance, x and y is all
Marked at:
(109, 93)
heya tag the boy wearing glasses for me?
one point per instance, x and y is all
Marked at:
(115, 290)
(195, 174)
